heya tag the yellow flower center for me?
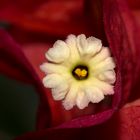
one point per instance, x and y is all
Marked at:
(80, 72)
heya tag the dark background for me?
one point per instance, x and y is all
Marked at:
(18, 107)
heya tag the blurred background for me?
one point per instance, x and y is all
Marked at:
(18, 106)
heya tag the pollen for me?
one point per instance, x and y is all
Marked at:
(80, 72)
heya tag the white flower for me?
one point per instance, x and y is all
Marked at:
(80, 70)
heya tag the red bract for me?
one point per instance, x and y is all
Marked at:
(54, 17)
(36, 27)
(123, 125)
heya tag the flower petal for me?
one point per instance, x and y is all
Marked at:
(70, 99)
(60, 91)
(104, 53)
(107, 64)
(108, 76)
(106, 88)
(71, 40)
(82, 44)
(89, 46)
(94, 45)
(71, 43)
(54, 55)
(82, 101)
(53, 80)
(94, 94)
(50, 68)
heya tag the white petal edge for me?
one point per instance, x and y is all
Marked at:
(82, 100)
(100, 56)
(50, 68)
(82, 44)
(72, 44)
(95, 95)
(108, 76)
(89, 46)
(94, 46)
(107, 64)
(70, 99)
(58, 53)
(60, 91)
(53, 80)
(105, 87)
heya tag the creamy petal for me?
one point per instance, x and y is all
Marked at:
(82, 100)
(59, 53)
(72, 44)
(89, 46)
(71, 40)
(94, 46)
(94, 94)
(99, 57)
(82, 44)
(106, 88)
(107, 64)
(60, 91)
(53, 80)
(108, 76)
(50, 68)
(70, 99)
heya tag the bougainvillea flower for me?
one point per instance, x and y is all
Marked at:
(80, 71)
(116, 23)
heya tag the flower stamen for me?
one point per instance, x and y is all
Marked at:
(80, 72)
